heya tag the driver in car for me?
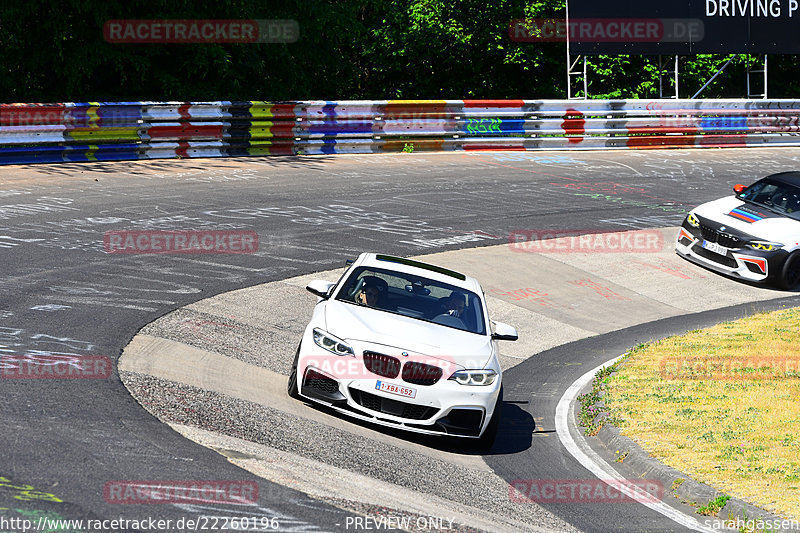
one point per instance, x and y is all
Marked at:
(370, 292)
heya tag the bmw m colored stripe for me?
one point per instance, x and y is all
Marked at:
(744, 215)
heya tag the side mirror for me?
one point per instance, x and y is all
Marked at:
(739, 188)
(504, 332)
(320, 288)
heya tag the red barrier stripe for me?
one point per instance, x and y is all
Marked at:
(687, 140)
(183, 111)
(185, 131)
(661, 141)
(283, 111)
(574, 125)
(282, 130)
(425, 144)
(281, 150)
(181, 150)
(415, 108)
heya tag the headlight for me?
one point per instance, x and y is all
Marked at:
(692, 220)
(474, 377)
(765, 246)
(332, 344)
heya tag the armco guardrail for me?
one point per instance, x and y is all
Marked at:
(102, 131)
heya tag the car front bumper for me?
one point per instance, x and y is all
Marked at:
(744, 263)
(443, 408)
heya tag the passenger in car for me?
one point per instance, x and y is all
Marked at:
(455, 304)
(792, 203)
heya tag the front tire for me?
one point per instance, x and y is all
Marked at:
(790, 273)
(291, 386)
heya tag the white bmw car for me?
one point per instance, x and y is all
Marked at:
(753, 235)
(404, 344)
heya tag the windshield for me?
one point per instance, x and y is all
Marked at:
(776, 196)
(414, 297)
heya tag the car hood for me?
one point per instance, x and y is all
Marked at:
(354, 323)
(751, 219)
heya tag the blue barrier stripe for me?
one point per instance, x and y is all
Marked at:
(24, 159)
(101, 147)
(724, 124)
(329, 109)
(499, 126)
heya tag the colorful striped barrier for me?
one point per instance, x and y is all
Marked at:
(112, 131)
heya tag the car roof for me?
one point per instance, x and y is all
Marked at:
(790, 178)
(419, 268)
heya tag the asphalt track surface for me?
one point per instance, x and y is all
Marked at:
(63, 296)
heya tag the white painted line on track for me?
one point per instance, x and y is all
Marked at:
(580, 450)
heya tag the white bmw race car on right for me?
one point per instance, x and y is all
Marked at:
(753, 235)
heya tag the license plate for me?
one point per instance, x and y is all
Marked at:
(714, 247)
(391, 388)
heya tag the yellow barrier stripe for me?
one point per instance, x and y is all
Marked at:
(103, 134)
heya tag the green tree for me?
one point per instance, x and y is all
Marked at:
(458, 49)
(348, 49)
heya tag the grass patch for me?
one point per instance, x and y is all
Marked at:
(713, 507)
(721, 404)
(593, 414)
